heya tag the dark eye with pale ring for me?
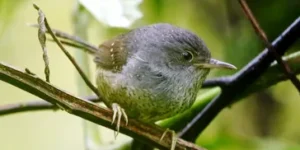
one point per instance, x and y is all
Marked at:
(188, 56)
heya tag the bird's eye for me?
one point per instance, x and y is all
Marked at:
(188, 56)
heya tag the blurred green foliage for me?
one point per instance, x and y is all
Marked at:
(8, 10)
(266, 120)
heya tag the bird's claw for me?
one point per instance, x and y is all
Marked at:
(174, 138)
(118, 112)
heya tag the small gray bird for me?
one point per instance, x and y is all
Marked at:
(153, 72)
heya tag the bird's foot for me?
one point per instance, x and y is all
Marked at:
(174, 138)
(118, 113)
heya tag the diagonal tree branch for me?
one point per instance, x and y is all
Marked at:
(286, 69)
(238, 83)
(221, 82)
(88, 110)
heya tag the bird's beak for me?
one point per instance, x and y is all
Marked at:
(213, 63)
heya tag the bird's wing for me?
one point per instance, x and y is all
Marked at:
(112, 54)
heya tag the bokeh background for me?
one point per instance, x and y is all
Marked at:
(268, 119)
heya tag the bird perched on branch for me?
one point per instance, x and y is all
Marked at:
(153, 72)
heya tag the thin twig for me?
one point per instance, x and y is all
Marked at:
(73, 44)
(80, 20)
(36, 105)
(72, 39)
(26, 107)
(29, 72)
(87, 110)
(285, 68)
(84, 77)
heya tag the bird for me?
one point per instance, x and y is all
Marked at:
(152, 72)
